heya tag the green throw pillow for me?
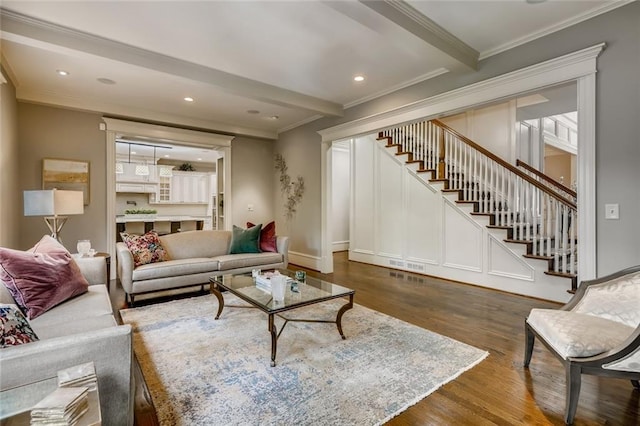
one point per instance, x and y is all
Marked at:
(245, 240)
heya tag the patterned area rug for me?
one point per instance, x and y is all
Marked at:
(202, 371)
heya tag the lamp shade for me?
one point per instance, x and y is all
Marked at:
(53, 202)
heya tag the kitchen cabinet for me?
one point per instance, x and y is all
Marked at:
(190, 187)
(136, 172)
(145, 188)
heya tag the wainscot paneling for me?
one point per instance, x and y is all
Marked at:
(401, 220)
(389, 218)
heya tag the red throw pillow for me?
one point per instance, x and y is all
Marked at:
(267, 237)
(42, 277)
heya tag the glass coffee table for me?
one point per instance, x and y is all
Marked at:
(309, 292)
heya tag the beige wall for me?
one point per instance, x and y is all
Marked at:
(47, 132)
(10, 195)
(252, 181)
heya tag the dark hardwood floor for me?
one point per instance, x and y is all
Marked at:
(498, 391)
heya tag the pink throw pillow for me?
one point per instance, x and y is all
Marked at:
(42, 277)
(267, 237)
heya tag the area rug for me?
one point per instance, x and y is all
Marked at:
(202, 371)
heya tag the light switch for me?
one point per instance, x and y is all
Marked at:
(611, 211)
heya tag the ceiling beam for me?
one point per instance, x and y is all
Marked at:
(28, 27)
(412, 20)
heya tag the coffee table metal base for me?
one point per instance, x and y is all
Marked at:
(273, 330)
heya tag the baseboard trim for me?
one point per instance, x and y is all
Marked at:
(340, 246)
(304, 260)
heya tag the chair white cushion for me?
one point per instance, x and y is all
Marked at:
(617, 300)
(577, 335)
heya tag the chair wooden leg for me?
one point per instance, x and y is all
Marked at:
(636, 384)
(530, 339)
(573, 373)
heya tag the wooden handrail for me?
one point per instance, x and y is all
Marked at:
(538, 173)
(506, 165)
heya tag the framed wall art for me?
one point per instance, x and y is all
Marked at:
(70, 175)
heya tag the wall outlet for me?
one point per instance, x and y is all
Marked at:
(250, 207)
(611, 211)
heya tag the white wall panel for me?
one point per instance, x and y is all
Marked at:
(462, 239)
(502, 261)
(341, 193)
(363, 204)
(389, 225)
(422, 242)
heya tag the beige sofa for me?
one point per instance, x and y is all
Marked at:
(195, 256)
(77, 331)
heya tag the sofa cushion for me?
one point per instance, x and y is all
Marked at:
(42, 277)
(172, 268)
(94, 302)
(69, 328)
(145, 248)
(267, 236)
(574, 334)
(192, 244)
(14, 328)
(5, 295)
(233, 261)
(245, 240)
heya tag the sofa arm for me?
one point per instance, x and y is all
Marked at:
(282, 244)
(125, 266)
(28, 372)
(94, 269)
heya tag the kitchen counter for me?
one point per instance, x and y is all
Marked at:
(157, 218)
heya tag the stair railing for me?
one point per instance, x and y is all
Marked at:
(534, 212)
(548, 181)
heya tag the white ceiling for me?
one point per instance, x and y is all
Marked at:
(292, 59)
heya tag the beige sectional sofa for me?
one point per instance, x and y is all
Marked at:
(195, 256)
(77, 331)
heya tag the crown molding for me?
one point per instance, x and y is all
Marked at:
(604, 8)
(554, 71)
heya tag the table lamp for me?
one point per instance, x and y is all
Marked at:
(55, 205)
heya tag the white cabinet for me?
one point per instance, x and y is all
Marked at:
(136, 172)
(190, 187)
(145, 188)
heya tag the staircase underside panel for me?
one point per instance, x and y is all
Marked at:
(422, 242)
(502, 261)
(462, 239)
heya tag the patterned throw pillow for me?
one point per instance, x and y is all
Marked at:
(267, 237)
(14, 328)
(145, 248)
(41, 277)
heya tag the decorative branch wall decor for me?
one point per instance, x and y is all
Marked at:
(291, 190)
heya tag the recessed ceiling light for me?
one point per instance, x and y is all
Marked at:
(199, 159)
(358, 78)
(274, 117)
(106, 81)
(62, 72)
(166, 156)
(188, 99)
(133, 152)
(253, 111)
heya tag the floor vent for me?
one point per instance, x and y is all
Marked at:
(415, 266)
